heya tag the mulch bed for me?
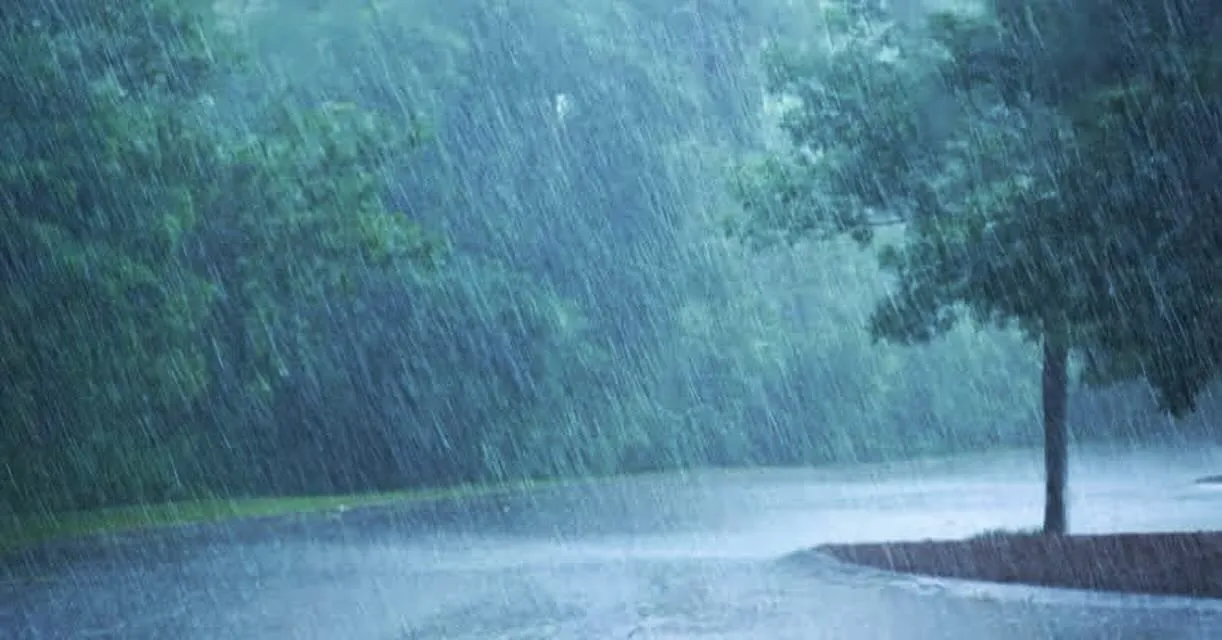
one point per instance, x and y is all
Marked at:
(1183, 564)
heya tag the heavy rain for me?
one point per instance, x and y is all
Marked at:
(584, 319)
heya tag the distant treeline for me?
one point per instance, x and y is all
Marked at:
(283, 247)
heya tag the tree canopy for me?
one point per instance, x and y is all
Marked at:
(153, 254)
(1041, 176)
(269, 246)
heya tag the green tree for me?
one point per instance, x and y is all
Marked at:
(151, 245)
(101, 320)
(1140, 85)
(1129, 211)
(586, 205)
(1001, 182)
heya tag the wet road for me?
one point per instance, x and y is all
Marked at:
(707, 555)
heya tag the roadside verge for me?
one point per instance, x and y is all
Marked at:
(22, 532)
(1150, 570)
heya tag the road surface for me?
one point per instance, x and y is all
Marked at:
(716, 554)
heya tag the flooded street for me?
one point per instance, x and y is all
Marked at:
(714, 554)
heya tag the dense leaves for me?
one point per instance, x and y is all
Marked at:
(1039, 182)
(151, 255)
(101, 317)
(278, 246)
(1047, 165)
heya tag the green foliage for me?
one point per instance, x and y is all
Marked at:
(100, 318)
(210, 287)
(1030, 195)
(1139, 87)
(295, 219)
(122, 188)
(830, 393)
(829, 93)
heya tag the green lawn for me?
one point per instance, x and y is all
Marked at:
(27, 529)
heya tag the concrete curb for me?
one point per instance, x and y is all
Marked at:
(865, 575)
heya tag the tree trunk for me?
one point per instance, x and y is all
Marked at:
(1056, 435)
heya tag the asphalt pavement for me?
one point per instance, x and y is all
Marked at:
(713, 554)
